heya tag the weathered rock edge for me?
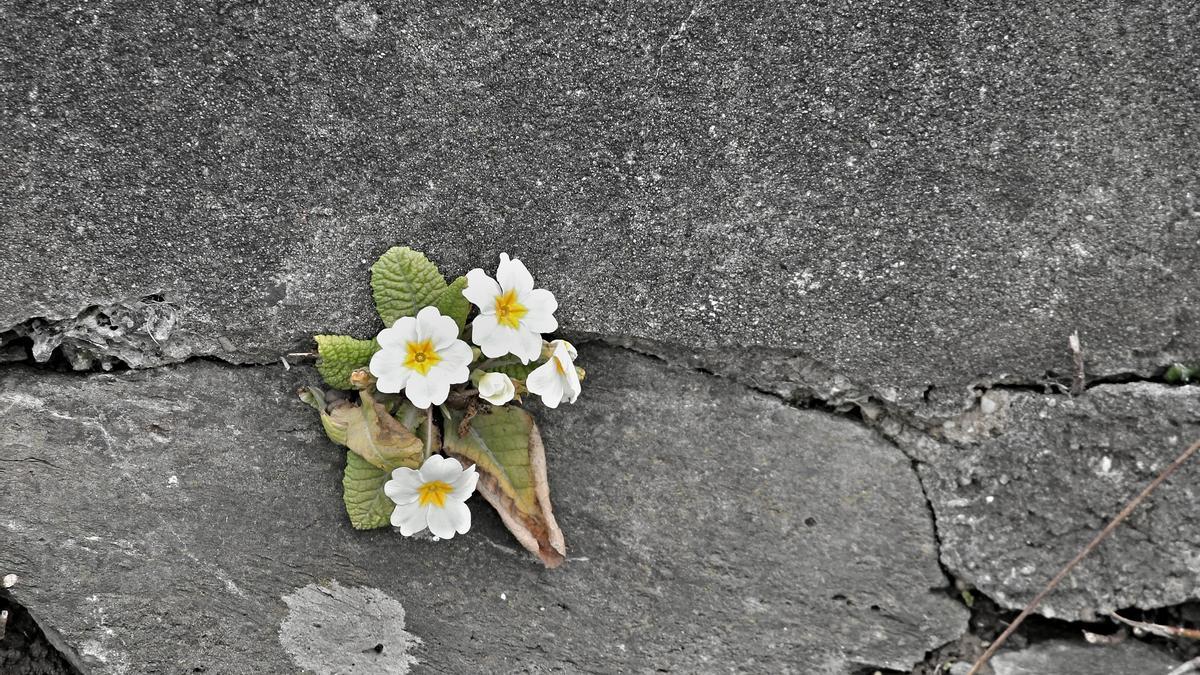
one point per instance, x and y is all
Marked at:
(813, 548)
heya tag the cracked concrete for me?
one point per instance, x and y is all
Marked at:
(708, 526)
(895, 212)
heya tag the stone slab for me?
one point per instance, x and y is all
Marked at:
(1024, 481)
(1074, 658)
(181, 517)
(912, 193)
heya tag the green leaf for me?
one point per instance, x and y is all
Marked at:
(362, 491)
(342, 355)
(1181, 374)
(379, 443)
(515, 370)
(506, 448)
(403, 281)
(452, 303)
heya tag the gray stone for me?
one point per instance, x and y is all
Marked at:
(1019, 491)
(1075, 658)
(911, 193)
(170, 518)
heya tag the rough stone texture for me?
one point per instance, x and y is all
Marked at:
(1073, 658)
(1023, 482)
(332, 628)
(158, 518)
(911, 192)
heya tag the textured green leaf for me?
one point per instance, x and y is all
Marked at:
(362, 491)
(404, 281)
(506, 448)
(342, 355)
(379, 443)
(452, 303)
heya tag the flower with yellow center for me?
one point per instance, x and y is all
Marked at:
(422, 356)
(433, 496)
(556, 380)
(512, 313)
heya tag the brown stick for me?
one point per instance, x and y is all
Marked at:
(1159, 629)
(1062, 574)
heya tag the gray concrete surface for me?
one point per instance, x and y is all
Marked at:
(1026, 485)
(161, 519)
(912, 193)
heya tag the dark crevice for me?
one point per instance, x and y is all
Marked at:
(30, 648)
(988, 620)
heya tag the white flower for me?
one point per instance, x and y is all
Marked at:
(423, 356)
(512, 313)
(496, 388)
(432, 497)
(556, 379)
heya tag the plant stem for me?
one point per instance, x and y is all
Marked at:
(428, 432)
(1062, 574)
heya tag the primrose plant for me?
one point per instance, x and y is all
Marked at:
(428, 419)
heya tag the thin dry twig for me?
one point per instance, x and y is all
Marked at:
(1091, 546)
(1077, 384)
(3, 623)
(1159, 629)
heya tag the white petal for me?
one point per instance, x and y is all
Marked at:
(456, 354)
(410, 518)
(460, 516)
(482, 328)
(432, 325)
(437, 467)
(419, 390)
(390, 337)
(400, 334)
(443, 521)
(443, 375)
(502, 341)
(481, 290)
(568, 346)
(539, 300)
(545, 382)
(512, 275)
(464, 485)
(571, 384)
(402, 488)
(439, 389)
(539, 322)
(387, 365)
(529, 346)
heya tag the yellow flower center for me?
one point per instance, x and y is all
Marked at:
(421, 357)
(434, 492)
(508, 310)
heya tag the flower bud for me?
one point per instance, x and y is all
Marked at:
(496, 388)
